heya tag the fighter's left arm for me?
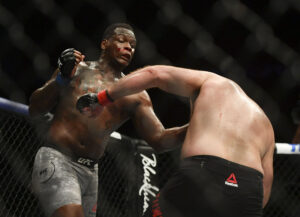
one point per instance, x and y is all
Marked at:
(150, 128)
(267, 163)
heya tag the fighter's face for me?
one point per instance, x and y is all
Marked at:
(121, 46)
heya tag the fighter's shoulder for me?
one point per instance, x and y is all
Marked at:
(214, 80)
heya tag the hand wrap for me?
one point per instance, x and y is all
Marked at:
(91, 100)
(104, 98)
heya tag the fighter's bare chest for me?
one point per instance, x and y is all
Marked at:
(90, 84)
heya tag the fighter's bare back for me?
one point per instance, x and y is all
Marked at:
(225, 122)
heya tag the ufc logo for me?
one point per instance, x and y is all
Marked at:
(44, 171)
(84, 161)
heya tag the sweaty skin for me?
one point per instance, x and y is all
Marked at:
(224, 122)
(85, 135)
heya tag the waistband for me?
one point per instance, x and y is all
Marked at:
(88, 162)
(222, 166)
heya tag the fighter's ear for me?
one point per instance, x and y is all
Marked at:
(104, 44)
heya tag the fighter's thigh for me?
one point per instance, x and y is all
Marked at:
(89, 197)
(54, 182)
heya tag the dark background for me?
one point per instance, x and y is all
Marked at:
(254, 42)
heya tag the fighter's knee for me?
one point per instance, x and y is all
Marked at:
(70, 210)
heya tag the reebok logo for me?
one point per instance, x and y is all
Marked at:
(231, 181)
(94, 209)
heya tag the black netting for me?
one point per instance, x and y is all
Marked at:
(116, 179)
(18, 145)
(120, 175)
(285, 200)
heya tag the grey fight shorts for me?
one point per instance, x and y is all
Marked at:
(57, 181)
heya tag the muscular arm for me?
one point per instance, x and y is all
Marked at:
(267, 164)
(175, 80)
(151, 129)
(44, 98)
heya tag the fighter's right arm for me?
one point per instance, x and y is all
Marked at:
(175, 80)
(46, 97)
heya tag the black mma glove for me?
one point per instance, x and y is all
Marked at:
(93, 102)
(66, 62)
(87, 102)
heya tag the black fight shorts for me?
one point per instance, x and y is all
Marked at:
(210, 186)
